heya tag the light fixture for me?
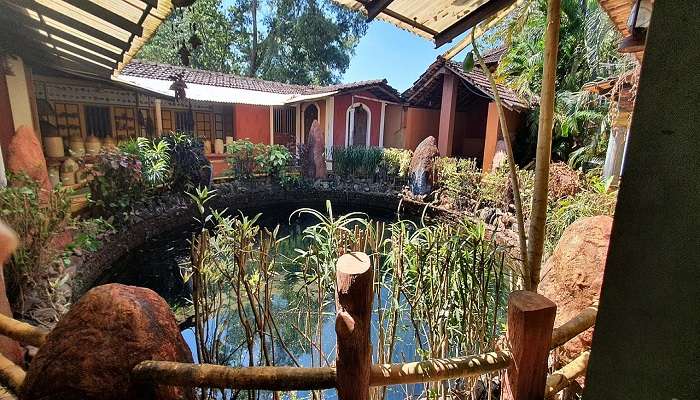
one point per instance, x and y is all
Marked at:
(637, 24)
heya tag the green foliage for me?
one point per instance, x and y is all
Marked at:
(496, 190)
(357, 161)
(189, 167)
(460, 178)
(396, 162)
(247, 159)
(269, 39)
(37, 217)
(241, 158)
(117, 183)
(273, 160)
(154, 156)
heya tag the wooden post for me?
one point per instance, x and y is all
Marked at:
(159, 118)
(530, 325)
(448, 109)
(353, 302)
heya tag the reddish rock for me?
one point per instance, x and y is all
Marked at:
(563, 181)
(24, 154)
(8, 243)
(572, 276)
(93, 348)
(317, 145)
(420, 171)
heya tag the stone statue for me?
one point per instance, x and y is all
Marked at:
(420, 173)
(316, 147)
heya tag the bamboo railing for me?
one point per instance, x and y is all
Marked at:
(530, 336)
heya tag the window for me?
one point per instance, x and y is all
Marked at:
(68, 119)
(98, 121)
(284, 125)
(184, 121)
(203, 125)
(219, 126)
(147, 126)
(167, 119)
(125, 122)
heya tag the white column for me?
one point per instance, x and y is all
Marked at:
(3, 177)
(330, 108)
(272, 125)
(298, 124)
(381, 125)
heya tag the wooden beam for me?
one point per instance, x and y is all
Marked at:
(410, 22)
(530, 323)
(73, 23)
(572, 328)
(22, 331)
(11, 375)
(470, 20)
(107, 15)
(563, 378)
(354, 283)
(375, 7)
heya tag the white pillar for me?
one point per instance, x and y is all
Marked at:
(3, 177)
(20, 99)
(381, 125)
(330, 107)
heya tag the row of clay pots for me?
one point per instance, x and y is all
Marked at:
(218, 145)
(69, 173)
(53, 146)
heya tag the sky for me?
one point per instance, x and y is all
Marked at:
(388, 52)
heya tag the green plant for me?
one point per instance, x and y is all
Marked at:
(154, 157)
(273, 160)
(189, 166)
(460, 178)
(117, 183)
(37, 216)
(356, 161)
(241, 158)
(396, 162)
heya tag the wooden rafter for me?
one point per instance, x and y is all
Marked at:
(470, 20)
(108, 16)
(375, 7)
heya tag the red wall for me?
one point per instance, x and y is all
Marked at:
(7, 127)
(252, 123)
(420, 123)
(340, 113)
(470, 131)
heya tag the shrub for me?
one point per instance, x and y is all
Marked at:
(189, 166)
(117, 182)
(241, 158)
(273, 160)
(356, 161)
(154, 157)
(37, 220)
(396, 162)
(496, 190)
(460, 179)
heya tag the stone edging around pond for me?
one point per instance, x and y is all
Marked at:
(167, 213)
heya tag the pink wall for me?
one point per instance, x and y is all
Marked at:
(252, 123)
(340, 113)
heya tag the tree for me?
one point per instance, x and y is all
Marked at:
(293, 41)
(587, 52)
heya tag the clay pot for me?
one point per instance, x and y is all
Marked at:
(108, 143)
(54, 146)
(219, 146)
(93, 145)
(76, 146)
(54, 175)
(68, 171)
(207, 147)
(229, 139)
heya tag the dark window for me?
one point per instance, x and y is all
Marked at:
(184, 121)
(98, 121)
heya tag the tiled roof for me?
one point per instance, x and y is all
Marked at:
(147, 69)
(475, 78)
(493, 56)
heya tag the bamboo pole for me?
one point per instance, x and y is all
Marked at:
(11, 375)
(584, 320)
(561, 379)
(538, 214)
(438, 369)
(248, 378)
(22, 331)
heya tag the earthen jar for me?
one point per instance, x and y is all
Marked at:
(108, 143)
(54, 175)
(68, 170)
(76, 146)
(207, 147)
(219, 146)
(54, 146)
(93, 145)
(229, 139)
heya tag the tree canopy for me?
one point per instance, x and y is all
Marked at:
(293, 41)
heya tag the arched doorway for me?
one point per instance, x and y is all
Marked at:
(310, 114)
(359, 121)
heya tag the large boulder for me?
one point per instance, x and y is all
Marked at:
(420, 171)
(93, 348)
(8, 243)
(24, 155)
(317, 144)
(573, 274)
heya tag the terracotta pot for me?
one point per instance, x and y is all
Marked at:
(108, 143)
(219, 146)
(54, 175)
(68, 170)
(207, 147)
(54, 146)
(229, 139)
(76, 146)
(93, 145)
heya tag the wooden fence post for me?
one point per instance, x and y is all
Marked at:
(530, 325)
(353, 302)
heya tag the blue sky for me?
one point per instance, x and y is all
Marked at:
(392, 53)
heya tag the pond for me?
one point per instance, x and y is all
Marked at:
(157, 265)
